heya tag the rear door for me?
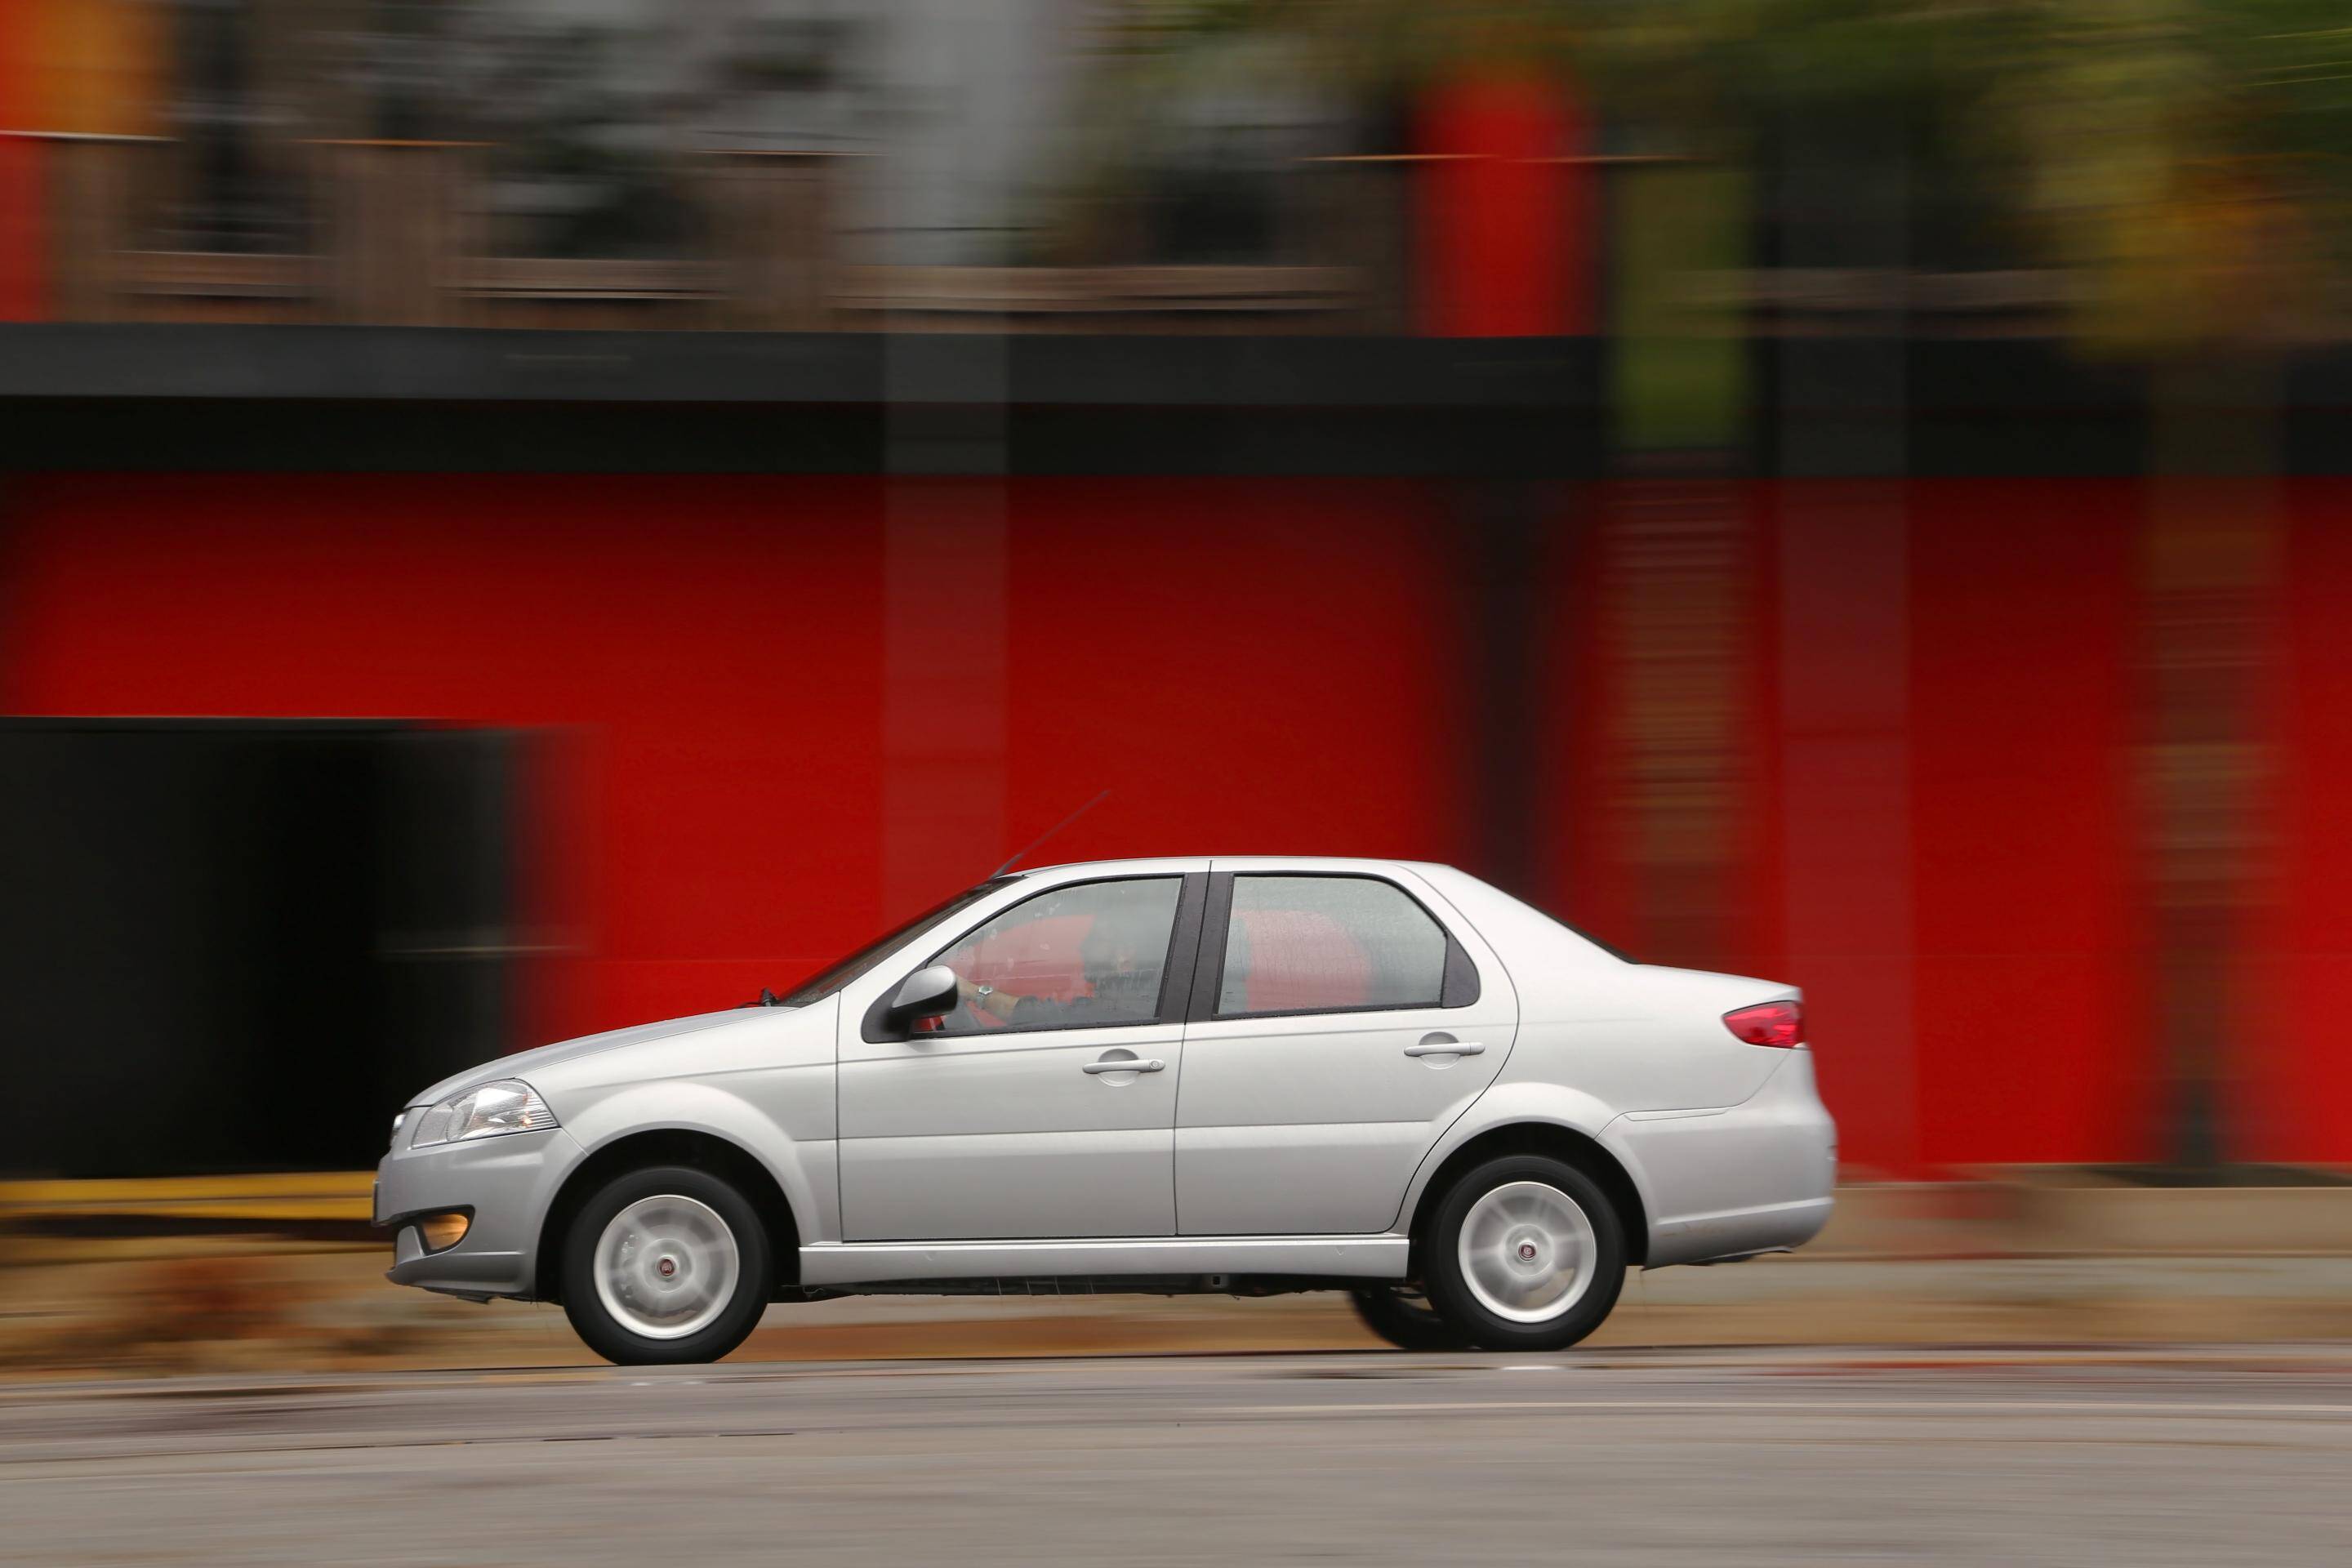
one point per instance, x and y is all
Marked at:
(1338, 1025)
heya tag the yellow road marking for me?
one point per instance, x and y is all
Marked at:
(328, 1194)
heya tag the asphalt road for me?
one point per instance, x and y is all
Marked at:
(2193, 1458)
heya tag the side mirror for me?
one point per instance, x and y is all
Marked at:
(926, 994)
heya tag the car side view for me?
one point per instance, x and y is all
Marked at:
(1233, 1075)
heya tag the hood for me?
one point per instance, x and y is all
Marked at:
(522, 1063)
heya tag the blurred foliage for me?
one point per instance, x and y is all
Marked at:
(2186, 159)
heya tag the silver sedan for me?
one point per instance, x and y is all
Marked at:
(1230, 1075)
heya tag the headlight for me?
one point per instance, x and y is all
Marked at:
(395, 1128)
(509, 1105)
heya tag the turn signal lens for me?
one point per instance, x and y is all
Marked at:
(1768, 1024)
(442, 1231)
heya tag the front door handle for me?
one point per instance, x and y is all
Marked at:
(1445, 1049)
(1130, 1065)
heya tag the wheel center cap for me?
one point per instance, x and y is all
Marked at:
(1526, 1252)
(668, 1265)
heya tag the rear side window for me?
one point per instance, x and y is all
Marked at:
(1305, 944)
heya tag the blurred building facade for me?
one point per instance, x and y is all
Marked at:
(792, 513)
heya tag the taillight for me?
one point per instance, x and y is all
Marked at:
(1779, 1023)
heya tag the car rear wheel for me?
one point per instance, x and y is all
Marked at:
(1402, 1316)
(1525, 1253)
(665, 1264)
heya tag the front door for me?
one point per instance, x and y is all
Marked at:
(1340, 1028)
(1045, 1105)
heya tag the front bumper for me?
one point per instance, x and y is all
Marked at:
(505, 1184)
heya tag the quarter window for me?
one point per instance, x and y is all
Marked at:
(1299, 944)
(1092, 953)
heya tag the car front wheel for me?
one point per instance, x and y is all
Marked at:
(665, 1264)
(1525, 1253)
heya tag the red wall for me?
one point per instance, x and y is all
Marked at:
(1247, 666)
(2299, 1100)
(1250, 667)
(1933, 777)
(1933, 811)
(2032, 1042)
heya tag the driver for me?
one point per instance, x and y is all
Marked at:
(1113, 958)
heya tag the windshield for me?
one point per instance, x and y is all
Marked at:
(834, 976)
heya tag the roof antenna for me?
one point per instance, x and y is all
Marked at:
(1022, 852)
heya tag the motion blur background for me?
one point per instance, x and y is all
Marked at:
(522, 517)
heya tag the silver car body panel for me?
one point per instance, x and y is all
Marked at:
(1330, 1257)
(1626, 1054)
(1314, 1123)
(532, 1064)
(1000, 1156)
(506, 1183)
(1707, 1171)
(764, 1084)
(761, 1078)
(1007, 1134)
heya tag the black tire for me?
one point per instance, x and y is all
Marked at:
(1403, 1317)
(1455, 1300)
(613, 1338)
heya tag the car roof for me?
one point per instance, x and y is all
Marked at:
(1305, 862)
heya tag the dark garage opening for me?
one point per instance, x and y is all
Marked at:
(236, 946)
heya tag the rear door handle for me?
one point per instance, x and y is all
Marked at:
(1154, 1065)
(1450, 1049)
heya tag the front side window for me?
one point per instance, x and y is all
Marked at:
(1298, 944)
(1092, 953)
